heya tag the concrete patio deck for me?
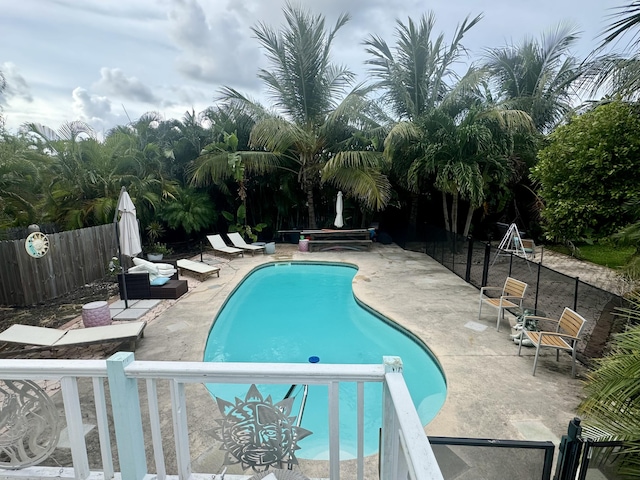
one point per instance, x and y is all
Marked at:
(491, 392)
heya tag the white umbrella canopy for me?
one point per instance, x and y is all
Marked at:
(339, 222)
(128, 226)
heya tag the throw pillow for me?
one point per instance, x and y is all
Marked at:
(159, 281)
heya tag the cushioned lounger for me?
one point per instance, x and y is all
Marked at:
(51, 337)
(239, 242)
(200, 270)
(218, 245)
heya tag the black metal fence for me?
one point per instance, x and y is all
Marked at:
(480, 264)
(491, 458)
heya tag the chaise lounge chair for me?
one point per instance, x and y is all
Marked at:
(239, 242)
(200, 270)
(218, 245)
(43, 338)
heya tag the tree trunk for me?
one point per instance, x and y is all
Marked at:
(445, 209)
(413, 217)
(467, 223)
(312, 210)
(454, 212)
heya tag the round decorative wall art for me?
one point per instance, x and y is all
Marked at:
(37, 244)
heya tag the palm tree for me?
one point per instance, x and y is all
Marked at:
(537, 76)
(466, 145)
(415, 77)
(612, 403)
(314, 119)
(220, 161)
(615, 74)
(21, 176)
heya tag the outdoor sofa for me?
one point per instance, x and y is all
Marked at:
(139, 284)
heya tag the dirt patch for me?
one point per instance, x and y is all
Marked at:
(57, 312)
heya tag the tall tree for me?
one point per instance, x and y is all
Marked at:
(414, 78)
(315, 116)
(538, 76)
(617, 74)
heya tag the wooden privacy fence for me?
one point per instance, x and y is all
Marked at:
(74, 259)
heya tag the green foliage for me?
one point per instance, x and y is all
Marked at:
(588, 171)
(191, 211)
(607, 255)
(159, 249)
(536, 76)
(154, 231)
(602, 253)
(238, 223)
(613, 394)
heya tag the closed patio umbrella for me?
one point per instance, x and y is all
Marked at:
(127, 233)
(339, 222)
(129, 237)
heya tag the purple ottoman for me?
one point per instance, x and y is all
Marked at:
(95, 314)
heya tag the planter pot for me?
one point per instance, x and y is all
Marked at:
(154, 257)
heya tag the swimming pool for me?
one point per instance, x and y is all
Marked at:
(289, 312)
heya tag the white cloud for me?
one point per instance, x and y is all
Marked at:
(113, 81)
(90, 108)
(174, 55)
(215, 47)
(16, 86)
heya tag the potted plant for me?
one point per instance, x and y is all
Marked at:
(156, 251)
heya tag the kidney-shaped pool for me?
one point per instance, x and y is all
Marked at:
(290, 312)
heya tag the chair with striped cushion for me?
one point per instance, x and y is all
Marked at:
(565, 337)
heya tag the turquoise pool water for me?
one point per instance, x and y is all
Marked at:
(289, 312)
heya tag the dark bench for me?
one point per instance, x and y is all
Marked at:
(139, 288)
(339, 244)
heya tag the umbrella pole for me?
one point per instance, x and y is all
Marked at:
(124, 277)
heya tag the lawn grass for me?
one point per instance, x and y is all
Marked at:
(607, 255)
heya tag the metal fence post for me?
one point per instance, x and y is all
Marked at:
(575, 295)
(570, 447)
(467, 274)
(485, 266)
(535, 305)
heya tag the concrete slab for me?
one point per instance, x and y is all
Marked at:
(536, 431)
(120, 304)
(149, 304)
(130, 314)
(478, 327)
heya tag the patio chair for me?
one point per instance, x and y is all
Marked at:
(564, 337)
(218, 245)
(511, 296)
(239, 242)
(44, 338)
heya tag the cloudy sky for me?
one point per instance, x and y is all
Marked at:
(107, 62)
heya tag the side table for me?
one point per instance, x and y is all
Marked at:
(96, 314)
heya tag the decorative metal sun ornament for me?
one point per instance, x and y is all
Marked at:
(258, 434)
(29, 424)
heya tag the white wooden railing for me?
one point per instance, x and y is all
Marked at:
(405, 450)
